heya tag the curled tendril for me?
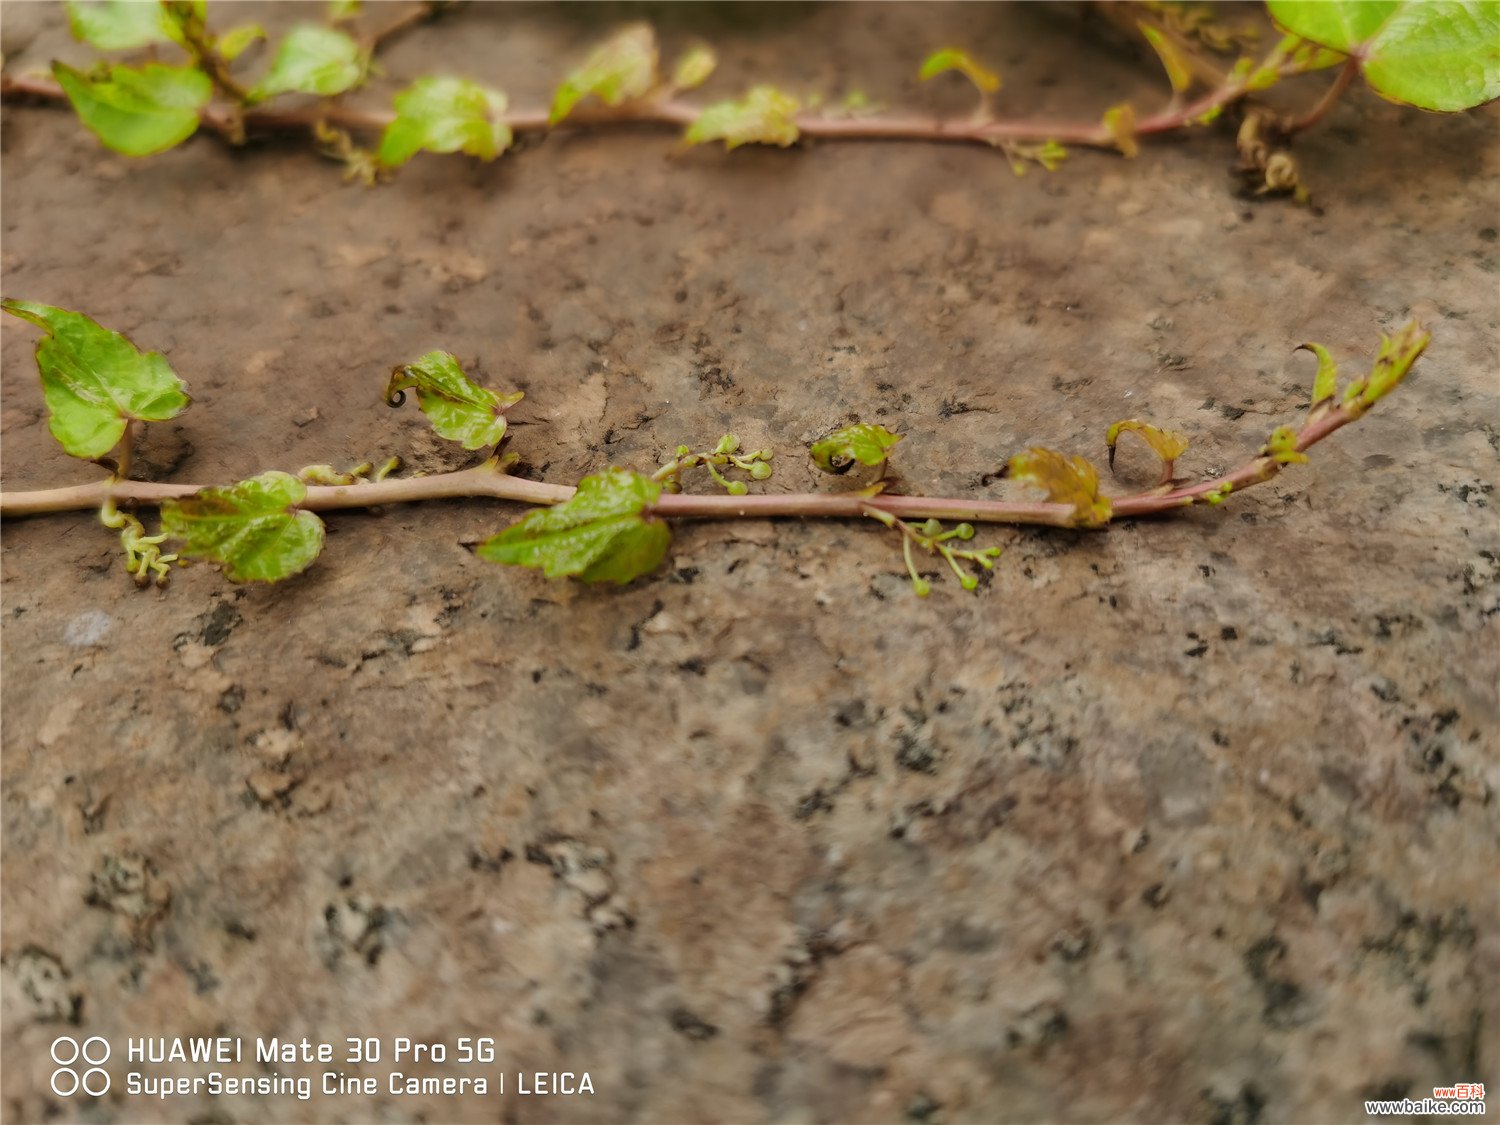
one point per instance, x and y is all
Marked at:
(395, 399)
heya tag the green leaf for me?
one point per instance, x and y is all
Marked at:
(1166, 444)
(95, 381)
(1049, 155)
(693, 68)
(1435, 54)
(237, 40)
(1068, 480)
(1326, 382)
(253, 528)
(341, 10)
(138, 112)
(121, 25)
(446, 115)
(619, 69)
(458, 409)
(603, 533)
(1179, 72)
(765, 115)
(951, 58)
(865, 442)
(313, 60)
(1395, 358)
(1281, 447)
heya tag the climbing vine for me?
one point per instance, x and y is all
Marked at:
(1434, 54)
(615, 524)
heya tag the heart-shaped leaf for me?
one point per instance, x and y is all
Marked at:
(864, 442)
(95, 381)
(121, 25)
(139, 112)
(603, 533)
(313, 60)
(765, 116)
(1435, 54)
(446, 115)
(619, 69)
(253, 529)
(458, 409)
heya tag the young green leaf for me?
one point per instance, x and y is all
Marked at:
(1166, 444)
(1119, 123)
(693, 68)
(458, 409)
(1179, 71)
(237, 40)
(1397, 354)
(765, 115)
(95, 381)
(1049, 155)
(313, 60)
(253, 529)
(865, 442)
(1326, 382)
(1068, 480)
(951, 58)
(619, 69)
(1435, 54)
(342, 10)
(1281, 447)
(139, 112)
(446, 115)
(121, 25)
(603, 533)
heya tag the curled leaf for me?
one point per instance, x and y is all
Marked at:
(445, 115)
(95, 381)
(1166, 444)
(1119, 123)
(603, 533)
(1435, 54)
(1326, 382)
(951, 58)
(765, 115)
(138, 112)
(1068, 480)
(1395, 358)
(619, 69)
(253, 529)
(865, 442)
(694, 68)
(1173, 60)
(121, 25)
(313, 60)
(458, 409)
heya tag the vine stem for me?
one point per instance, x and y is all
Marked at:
(399, 26)
(1326, 102)
(490, 480)
(678, 114)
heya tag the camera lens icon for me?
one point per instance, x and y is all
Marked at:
(79, 1066)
